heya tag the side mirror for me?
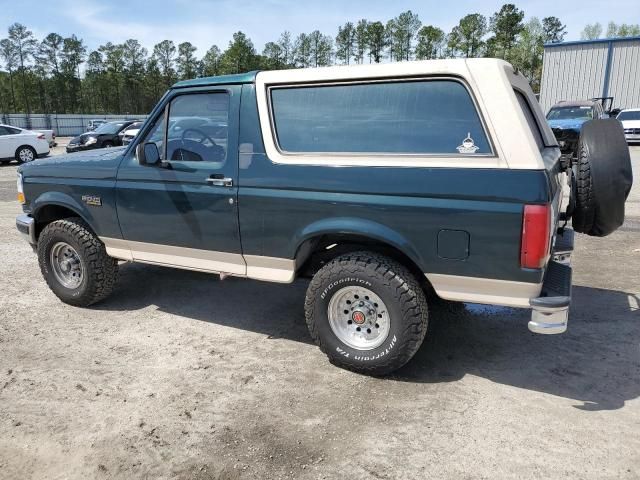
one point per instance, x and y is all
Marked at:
(148, 154)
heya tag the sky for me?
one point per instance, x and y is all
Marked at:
(205, 23)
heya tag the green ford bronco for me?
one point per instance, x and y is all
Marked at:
(390, 185)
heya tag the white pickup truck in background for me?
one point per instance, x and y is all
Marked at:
(49, 136)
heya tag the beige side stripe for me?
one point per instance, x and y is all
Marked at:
(484, 290)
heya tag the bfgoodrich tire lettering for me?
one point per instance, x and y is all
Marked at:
(394, 285)
(100, 271)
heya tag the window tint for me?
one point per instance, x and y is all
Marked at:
(416, 117)
(198, 128)
(531, 119)
(110, 128)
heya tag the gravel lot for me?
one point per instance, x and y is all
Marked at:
(179, 375)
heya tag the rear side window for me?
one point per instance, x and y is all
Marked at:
(432, 117)
(531, 120)
(9, 131)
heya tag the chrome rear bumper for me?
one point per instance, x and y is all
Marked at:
(550, 311)
(26, 225)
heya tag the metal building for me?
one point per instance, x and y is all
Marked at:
(586, 69)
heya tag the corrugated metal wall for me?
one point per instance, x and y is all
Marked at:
(67, 125)
(624, 82)
(583, 70)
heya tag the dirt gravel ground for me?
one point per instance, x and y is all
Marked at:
(180, 375)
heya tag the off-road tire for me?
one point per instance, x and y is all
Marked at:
(583, 214)
(402, 295)
(27, 147)
(100, 270)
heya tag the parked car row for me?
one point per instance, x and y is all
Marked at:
(108, 134)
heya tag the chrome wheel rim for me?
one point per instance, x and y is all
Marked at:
(359, 318)
(66, 265)
(25, 155)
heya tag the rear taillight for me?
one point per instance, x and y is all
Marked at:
(536, 223)
(41, 136)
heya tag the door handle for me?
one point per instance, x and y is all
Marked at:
(220, 181)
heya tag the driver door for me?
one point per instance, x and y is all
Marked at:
(182, 211)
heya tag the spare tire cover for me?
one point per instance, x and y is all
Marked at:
(603, 177)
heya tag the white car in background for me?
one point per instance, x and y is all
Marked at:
(21, 145)
(130, 133)
(630, 119)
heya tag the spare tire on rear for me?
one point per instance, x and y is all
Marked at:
(603, 178)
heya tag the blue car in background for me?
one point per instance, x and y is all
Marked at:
(567, 117)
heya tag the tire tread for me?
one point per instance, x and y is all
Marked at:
(102, 268)
(409, 295)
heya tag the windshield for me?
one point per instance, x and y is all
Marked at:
(569, 113)
(109, 128)
(629, 115)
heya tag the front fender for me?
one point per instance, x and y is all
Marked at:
(361, 227)
(60, 199)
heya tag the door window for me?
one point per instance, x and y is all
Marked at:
(198, 128)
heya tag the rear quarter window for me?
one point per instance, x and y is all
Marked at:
(430, 117)
(531, 119)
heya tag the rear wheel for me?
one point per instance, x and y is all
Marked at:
(75, 264)
(367, 313)
(26, 154)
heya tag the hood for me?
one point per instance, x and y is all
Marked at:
(90, 164)
(630, 123)
(80, 139)
(568, 123)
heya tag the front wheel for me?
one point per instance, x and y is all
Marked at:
(366, 312)
(75, 264)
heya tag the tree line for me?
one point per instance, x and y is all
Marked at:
(60, 74)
